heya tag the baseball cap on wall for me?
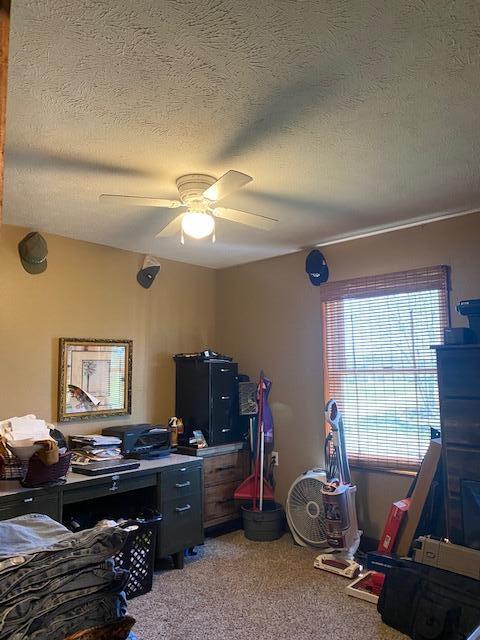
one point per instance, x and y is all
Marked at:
(33, 252)
(316, 267)
(148, 272)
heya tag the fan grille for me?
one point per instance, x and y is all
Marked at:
(305, 510)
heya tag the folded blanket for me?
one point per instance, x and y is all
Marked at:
(18, 617)
(84, 613)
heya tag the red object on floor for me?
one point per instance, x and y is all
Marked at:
(398, 511)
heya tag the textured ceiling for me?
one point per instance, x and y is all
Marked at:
(349, 115)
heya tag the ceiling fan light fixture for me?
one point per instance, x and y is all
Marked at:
(198, 224)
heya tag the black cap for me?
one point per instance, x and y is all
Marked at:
(147, 273)
(33, 252)
(316, 267)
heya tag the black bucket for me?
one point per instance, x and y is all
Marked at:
(266, 525)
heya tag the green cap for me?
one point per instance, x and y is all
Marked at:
(33, 252)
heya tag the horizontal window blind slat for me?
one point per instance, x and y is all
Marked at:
(379, 364)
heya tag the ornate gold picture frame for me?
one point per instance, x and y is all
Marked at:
(95, 378)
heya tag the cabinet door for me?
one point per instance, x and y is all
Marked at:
(181, 526)
(46, 503)
(460, 422)
(462, 469)
(182, 517)
(459, 372)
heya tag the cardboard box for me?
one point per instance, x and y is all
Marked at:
(418, 498)
(395, 518)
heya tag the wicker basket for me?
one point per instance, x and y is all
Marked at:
(118, 630)
(39, 473)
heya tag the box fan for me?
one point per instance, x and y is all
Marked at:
(305, 510)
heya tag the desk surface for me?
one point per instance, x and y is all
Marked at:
(11, 487)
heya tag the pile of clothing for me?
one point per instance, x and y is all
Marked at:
(54, 583)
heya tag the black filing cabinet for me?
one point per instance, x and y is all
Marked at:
(207, 399)
(180, 501)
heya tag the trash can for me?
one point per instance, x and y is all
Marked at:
(265, 525)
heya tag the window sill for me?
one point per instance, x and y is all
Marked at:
(396, 472)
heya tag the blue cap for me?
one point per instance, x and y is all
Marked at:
(316, 267)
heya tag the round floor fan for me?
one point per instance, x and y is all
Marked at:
(304, 508)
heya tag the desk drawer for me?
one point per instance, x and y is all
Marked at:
(219, 502)
(24, 503)
(461, 422)
(180, 482)
(106, 486)
(461, 464)
(226, 468)
(459, 373)
(181, 526)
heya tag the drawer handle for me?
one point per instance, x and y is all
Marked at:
(114, 486)
(224, 370)
(225, 397)
(187, 507)
(225, 430)
(180, 485)
(227, 468)
(183, 469)
(28, 499)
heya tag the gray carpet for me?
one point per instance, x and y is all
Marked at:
(242, 590)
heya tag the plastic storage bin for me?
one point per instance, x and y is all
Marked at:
(138, 554)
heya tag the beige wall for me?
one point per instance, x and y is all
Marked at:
(90, 291)
(268, 315)
(265, 314)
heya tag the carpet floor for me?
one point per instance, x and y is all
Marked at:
(241, 590)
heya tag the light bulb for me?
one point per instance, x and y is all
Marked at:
(198, 224)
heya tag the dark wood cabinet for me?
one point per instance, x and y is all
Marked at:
(459, 391)
(224, 468)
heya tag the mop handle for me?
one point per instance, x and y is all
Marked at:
(262, 454)
(259, 438)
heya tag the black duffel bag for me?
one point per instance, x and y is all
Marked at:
(427, 603)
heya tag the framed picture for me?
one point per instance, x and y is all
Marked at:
(95, 378)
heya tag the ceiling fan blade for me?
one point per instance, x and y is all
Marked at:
(171, 228)
(242, 217)
(230, 181)
(138, 201)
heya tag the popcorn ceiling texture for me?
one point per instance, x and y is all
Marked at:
(348, 115)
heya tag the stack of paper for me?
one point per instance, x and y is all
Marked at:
(25, 428)
(96, 440)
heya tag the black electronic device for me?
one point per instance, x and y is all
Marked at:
(471, 309)
(141, 441)
(105, 466)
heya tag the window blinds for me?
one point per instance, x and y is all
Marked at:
(379, 365)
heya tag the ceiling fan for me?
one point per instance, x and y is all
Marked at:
(199, 194)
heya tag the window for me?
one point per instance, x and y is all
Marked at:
(379, 365)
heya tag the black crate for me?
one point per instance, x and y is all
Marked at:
(138, 554)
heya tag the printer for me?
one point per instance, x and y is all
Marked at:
(141, 441)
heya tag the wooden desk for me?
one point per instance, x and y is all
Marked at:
(175, 482)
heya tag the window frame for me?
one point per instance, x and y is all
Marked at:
(410, 281)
